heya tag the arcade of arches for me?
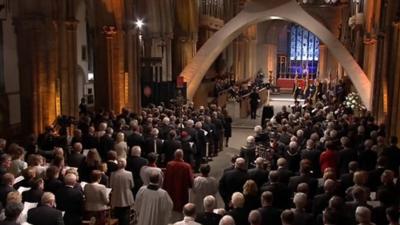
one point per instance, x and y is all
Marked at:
(53, 53)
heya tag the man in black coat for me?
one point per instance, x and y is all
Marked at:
(269, 214)
(46, 214)
(392, 153)
(136, 138)
(35, 193)
(76, 158)
(208, 217)
(254, 101)
(374, 176)
(258, 174)
(346, 180)
(304, 177)
(170, 146)
(233, 181)
(281, 193)
(346, 155)
(70, 200)
(134, 163)
(283, 172)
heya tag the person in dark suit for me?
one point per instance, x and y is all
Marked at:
(52, 183)
(133, 164)
(76, 158)
(35, 193)
(233, 181)
(70, 200)
(304, 177)
(208, 217)
(6, 187)
(312, 154)
(374, 176)
(269, 214)
(346, 155)
(258, 174)
(238, 212)
(46, 214)
(321, 201)
(232, 166)
(280, 191)
(254, 101)
(170, 146)
(346, 180)
(136, 138)
(301, 217)
(392, 153)
(201, 144)
(106, 143)
(12, 212)
(283, 172)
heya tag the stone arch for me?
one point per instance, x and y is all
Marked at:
(258, 11)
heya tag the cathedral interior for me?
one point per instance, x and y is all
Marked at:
(115, 53)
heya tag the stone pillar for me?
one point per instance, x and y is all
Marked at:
(370, 47)
(110, 76)
(132, 53)
(37, 50)
(322, 67)
(271, 59)
(68, 61)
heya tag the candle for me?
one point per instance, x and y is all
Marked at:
(155, 146)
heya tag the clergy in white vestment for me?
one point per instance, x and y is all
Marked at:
(189, 213)
(202, 186)
(149, 169)
(153, 204)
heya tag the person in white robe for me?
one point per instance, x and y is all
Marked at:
(153, 204)
(202, 186)
(150, 168)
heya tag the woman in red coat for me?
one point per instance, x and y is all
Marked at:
(328, 158)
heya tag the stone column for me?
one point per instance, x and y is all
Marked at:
(37, 51)
(109, 69)
(271, 58)
(322, 67)
(68, 76)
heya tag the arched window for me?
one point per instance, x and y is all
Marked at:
(303, 52)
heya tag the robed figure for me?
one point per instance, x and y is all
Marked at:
(153, 204)
(178, 180)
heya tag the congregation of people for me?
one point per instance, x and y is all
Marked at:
(316, 165)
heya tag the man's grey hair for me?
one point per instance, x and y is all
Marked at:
(209, 203)
(136, 151)
(227, 220)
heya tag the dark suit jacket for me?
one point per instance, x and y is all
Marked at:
(320, 202)
(284, 175)
(70, 200)
(374, 178)
(347, 180)
(260, 176)
(32, 195)
(135, 139)
(45, 215)
(239, 215)
(52, 185)
(169, 148)
(75, 159)
(231, 182)
(134, 164)
(208, 218)
(303, 218)
(312, 183)
(345, 157)
(280, 192)
(270, 216)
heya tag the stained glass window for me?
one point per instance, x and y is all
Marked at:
(304, 50)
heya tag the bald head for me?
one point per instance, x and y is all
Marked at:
(189, 210)
(254, 217)
(282, 162)
(329, 186)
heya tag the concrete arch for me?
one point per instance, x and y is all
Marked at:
(261, 10)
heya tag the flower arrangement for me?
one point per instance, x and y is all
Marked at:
(353, 101)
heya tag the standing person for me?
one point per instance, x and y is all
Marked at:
(12, 212)
(202, 186)
(134, 164)
(96, 198)
(254, 100)
(121, 195)
(46, 214)
(70, 200)
(153, 204)
(189, 213)
(178, 180)
(208, 217)
(227, 126)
